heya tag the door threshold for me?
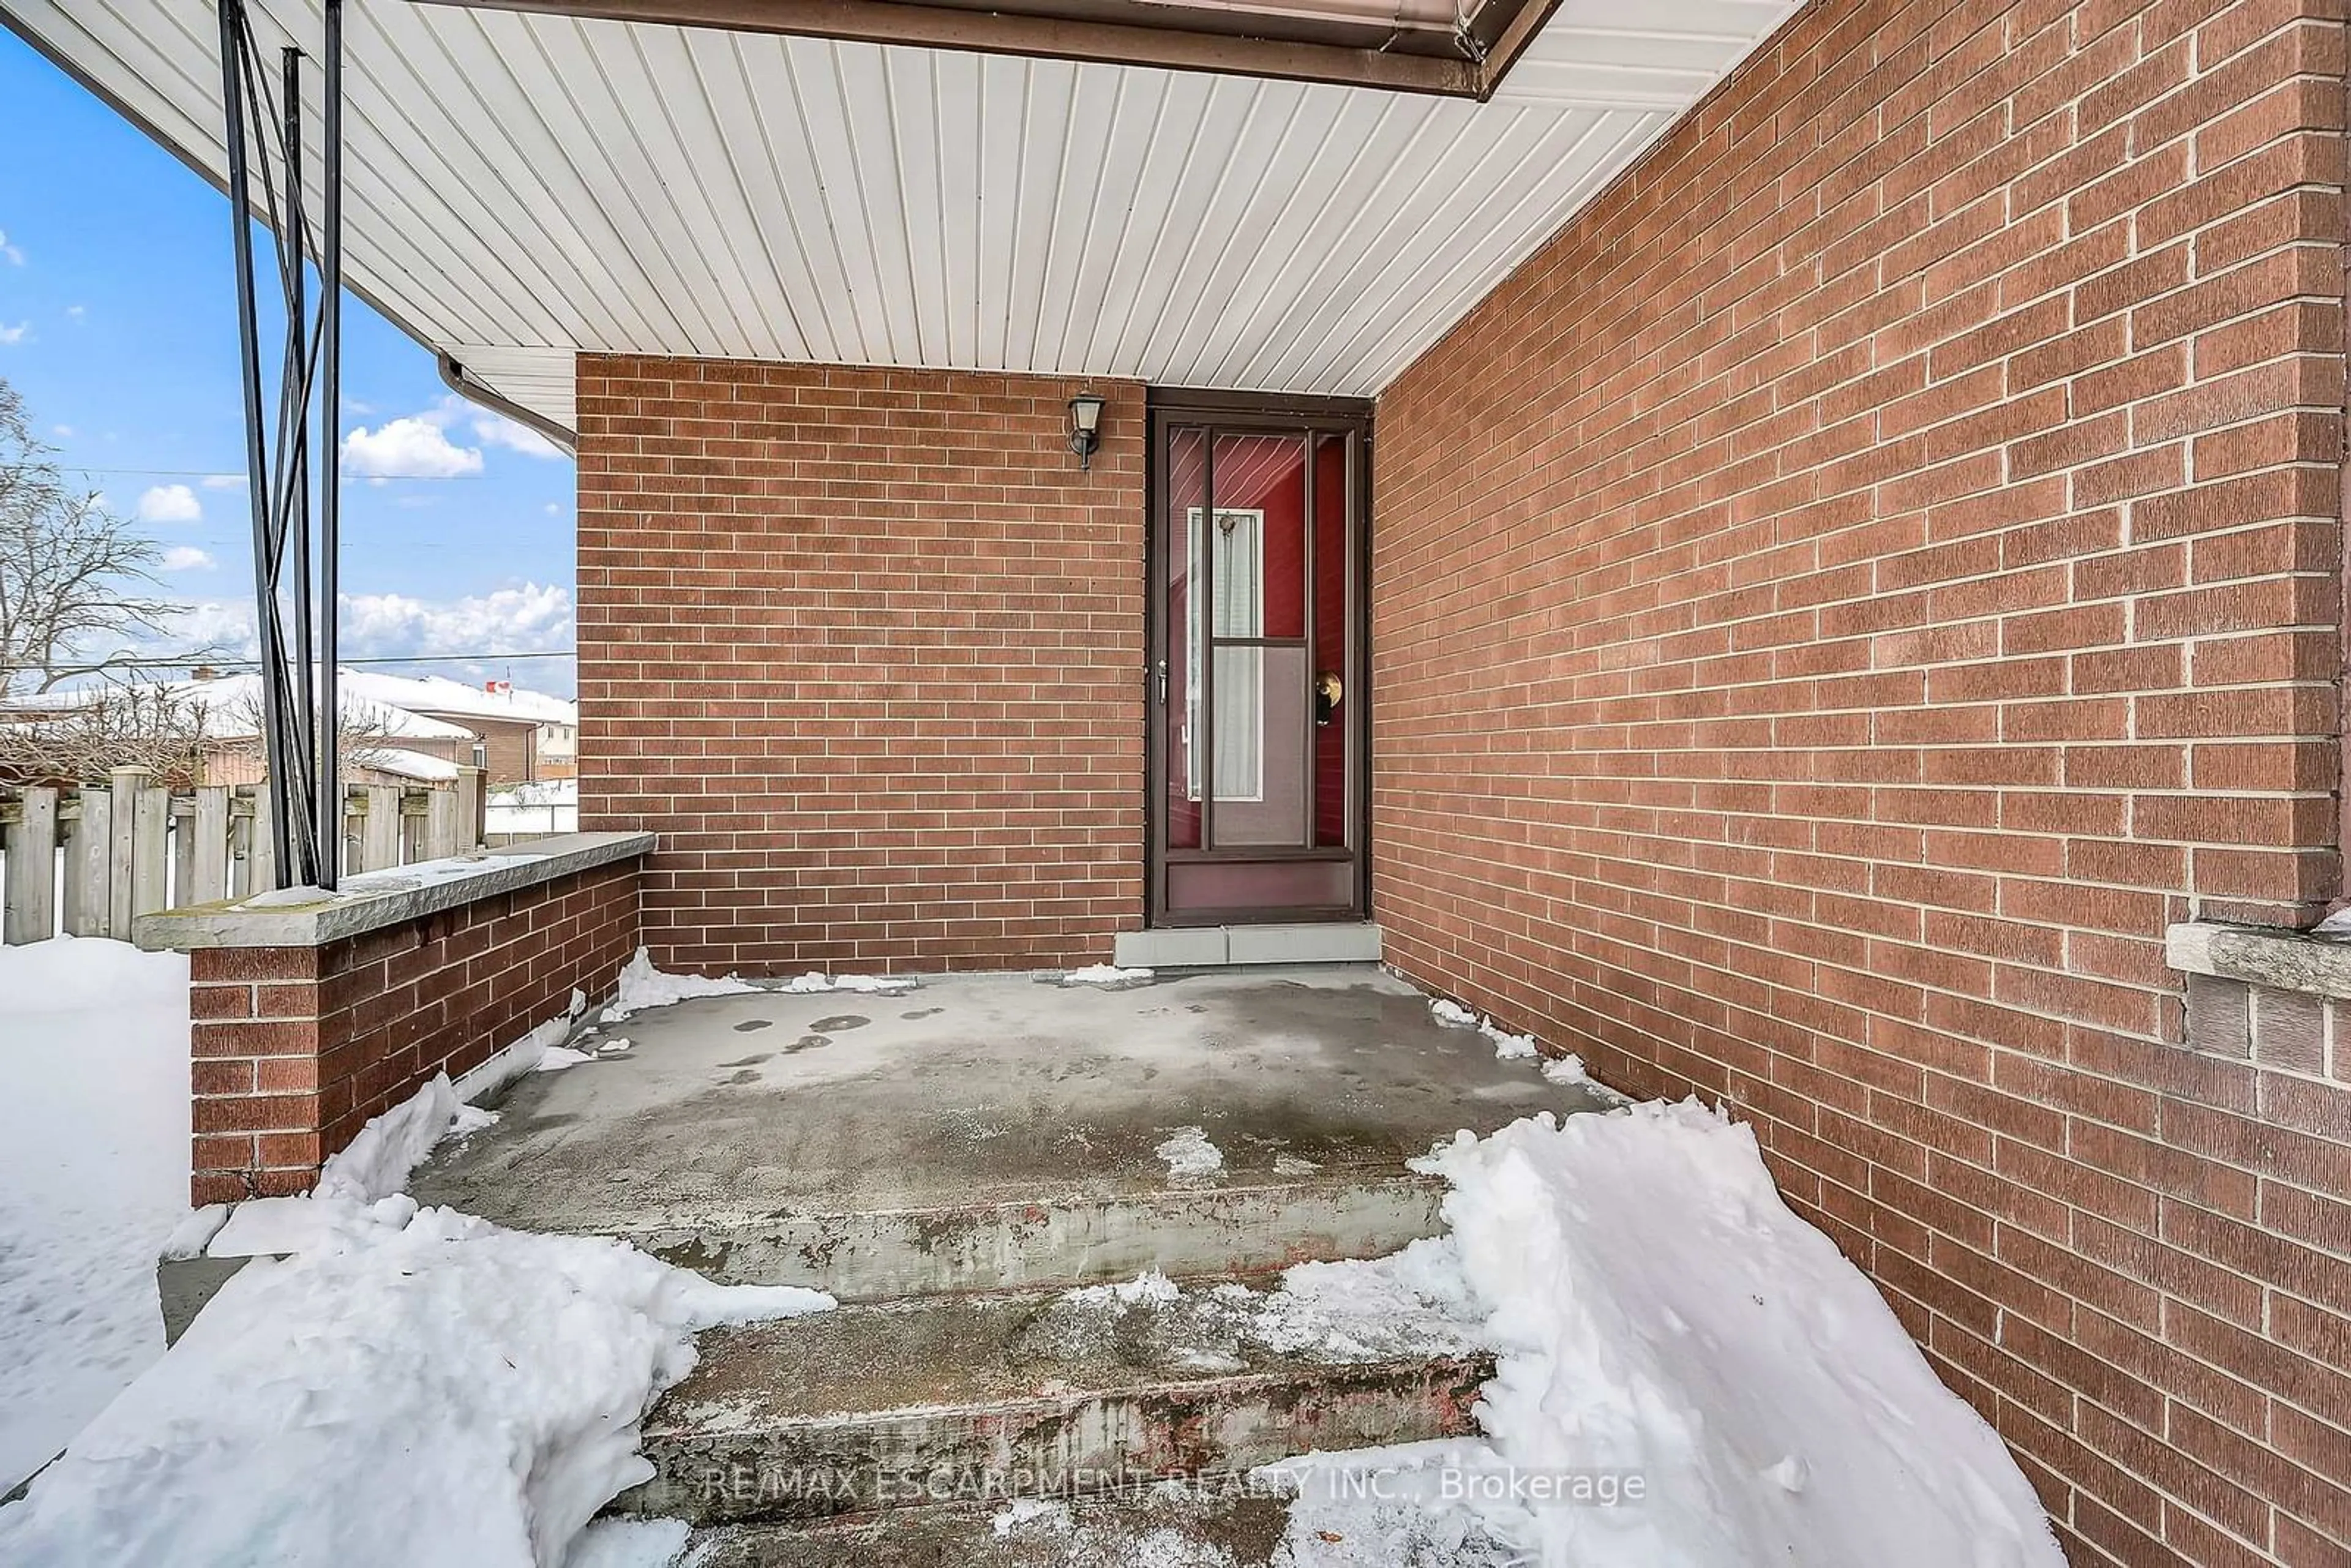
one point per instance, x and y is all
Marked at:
(1220, 946)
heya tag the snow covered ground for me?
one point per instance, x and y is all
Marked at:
(1659, 1312)
(416, 1386)
(1690, 1376)
(552, 807)
(94, 1135)
(408, 1386)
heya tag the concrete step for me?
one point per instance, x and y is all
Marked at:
(1187, 1232)
(1098, 1390)
(1169, 1527)
(1220, 946)
(1093, 1532)
(994, 1131)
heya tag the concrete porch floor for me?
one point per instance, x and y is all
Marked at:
(883, 1145)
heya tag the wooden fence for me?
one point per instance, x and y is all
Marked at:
(89, 860)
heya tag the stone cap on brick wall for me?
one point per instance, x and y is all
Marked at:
(2271, 955)
(378, 899)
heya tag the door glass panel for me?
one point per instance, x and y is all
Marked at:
(1261, 759)
(1332, 699)
(1187, 480)
(1264, 477)
(1258, 738)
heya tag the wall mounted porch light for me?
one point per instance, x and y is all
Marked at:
(1085, 426)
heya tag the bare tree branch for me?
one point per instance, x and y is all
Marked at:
(75, 579)
(173, 731)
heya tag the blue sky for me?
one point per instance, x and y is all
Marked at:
(118, 325)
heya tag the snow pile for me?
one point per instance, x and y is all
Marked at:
(1033, 1513)
(1508, 1047)
(1659, 1312)
(817, 980)
(612, 1543)
(642, 986)
(1403, 1518)
(94, 1120)
(1411, 1302)
(365, 1179)
(1150, 1289)
(415, 1387)
(546, 792)
(377, 1162)
(1105, 975)
(1566, 1069)
(1189, 1155)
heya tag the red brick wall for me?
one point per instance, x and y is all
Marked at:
(1835, 603)
(865, 648)
(295, 1047)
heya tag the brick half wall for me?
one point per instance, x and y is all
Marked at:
(295, 1047)
(1835, 603)
(865, 648)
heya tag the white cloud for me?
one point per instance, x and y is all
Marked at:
(452, 634)
(225, 625)
(528, 619)
(15, 334)
(443, 442)
(187, 557)
(62, 432)
(76, 312)
(497, 430)
(412, 447)
(170, 503)
(13, 255)
(222, 481)
(555, 508)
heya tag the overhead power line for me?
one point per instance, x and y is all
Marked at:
(230, 474)
(191, 659)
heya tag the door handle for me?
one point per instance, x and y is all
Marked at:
(1328, 691)
(1162, 683)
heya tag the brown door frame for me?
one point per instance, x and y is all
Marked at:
(1259, 413)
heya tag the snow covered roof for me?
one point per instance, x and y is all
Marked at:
(232, 709)
(437, 693)
(402, 763)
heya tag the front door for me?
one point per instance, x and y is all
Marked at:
(1258, 745)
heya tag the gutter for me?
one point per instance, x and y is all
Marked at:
(462, 381)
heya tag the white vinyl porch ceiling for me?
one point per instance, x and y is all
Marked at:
(521, 188)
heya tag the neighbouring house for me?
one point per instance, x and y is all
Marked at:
(389, 745)
(416, 729)
(527, 737)
(1794, 550)
(392, 745)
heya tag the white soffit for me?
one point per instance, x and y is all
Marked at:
(520, 188)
